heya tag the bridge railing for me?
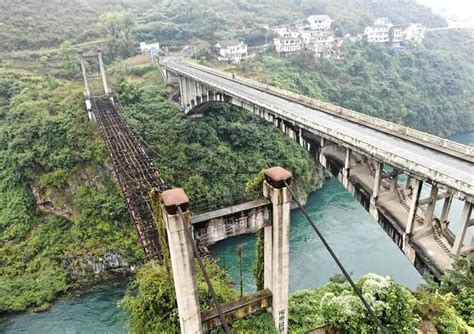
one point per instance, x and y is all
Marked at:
(422, 171)
(440, 144)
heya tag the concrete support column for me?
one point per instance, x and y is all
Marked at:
(415, 196)
(282, 126)
(267, 257)
(465, 223)
(300, 137)
(276, 122)
(394, 183)
(346, 170)
(431, 205)
(199, 91)
(408, 183)
(191, 90)
(275, 190)
(446, 208)
(322, 157)
(290, 132)
(182, 89)
(182, 260)
(376, 190)
(84, 75)
(102, 72)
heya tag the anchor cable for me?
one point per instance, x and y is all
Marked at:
(339, 264)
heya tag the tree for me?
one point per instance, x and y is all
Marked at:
(117, 27)
(69, 59)
(150, 300)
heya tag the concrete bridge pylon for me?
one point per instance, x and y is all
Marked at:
(276, 255)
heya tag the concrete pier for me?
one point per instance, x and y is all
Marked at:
(275, 190)
(182, 262)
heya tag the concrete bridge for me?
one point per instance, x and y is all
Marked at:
(356, 147)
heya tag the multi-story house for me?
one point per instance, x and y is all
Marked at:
(397, 34)
(320, 22)
(415, 32)
(315, 36)
(383, 31)
(379, 32)
(287, 44)
(232, 50)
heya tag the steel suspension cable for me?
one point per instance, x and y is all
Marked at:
(204, 271)
(339, 264)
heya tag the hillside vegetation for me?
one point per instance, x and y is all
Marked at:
(38, 24)
(62, 215)
(427, 87)
(61, 211)
(51, 155)
(211, 157)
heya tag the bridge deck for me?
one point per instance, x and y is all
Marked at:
(135, 172)
(458, 169)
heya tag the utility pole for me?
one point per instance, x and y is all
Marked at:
(240, 250)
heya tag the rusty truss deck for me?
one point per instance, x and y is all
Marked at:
(135, 172)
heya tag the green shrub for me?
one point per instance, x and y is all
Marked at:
(150, 300)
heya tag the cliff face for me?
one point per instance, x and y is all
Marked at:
(61, 203)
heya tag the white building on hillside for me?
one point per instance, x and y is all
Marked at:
(287, 44)
(379, 32)
(383, 31)
(320, 22)
(315, 36)
(232, 50)
(382, 21)
(415, 32)
(286, 31)
(397, 34)
(151, 49)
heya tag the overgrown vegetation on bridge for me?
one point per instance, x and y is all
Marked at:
(50, 155)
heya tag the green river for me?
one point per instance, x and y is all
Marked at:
(359, 242)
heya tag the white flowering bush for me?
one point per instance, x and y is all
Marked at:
(392, 303)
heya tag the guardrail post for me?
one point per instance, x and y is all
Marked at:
(182, 260)
(275, 190)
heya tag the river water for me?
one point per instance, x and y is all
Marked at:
(358, 241)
